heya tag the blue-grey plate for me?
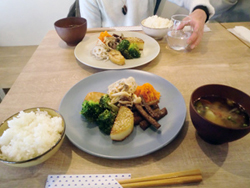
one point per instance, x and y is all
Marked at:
(87, 136)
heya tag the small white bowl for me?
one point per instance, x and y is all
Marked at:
(156, 33)
(46, 155)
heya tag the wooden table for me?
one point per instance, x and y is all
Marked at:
(220, 58)
(233, 24)
(12, 61)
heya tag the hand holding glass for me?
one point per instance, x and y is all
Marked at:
(179, 33)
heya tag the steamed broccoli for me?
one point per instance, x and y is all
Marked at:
(105, 121)
(123, 48)
(134, 50)
(126, 54)
(123, 45)
(91, 110)
(128, 50)
(102, 112)
(106, 104)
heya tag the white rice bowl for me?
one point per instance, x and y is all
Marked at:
(30, 134)
(157, 22)
(156, 27)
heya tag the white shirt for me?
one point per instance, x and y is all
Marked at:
(108, 13)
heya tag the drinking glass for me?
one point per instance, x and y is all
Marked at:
(177, 37)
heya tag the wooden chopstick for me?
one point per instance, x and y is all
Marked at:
(163, 182)
(163, 176)
(189, 176)
(99, 29)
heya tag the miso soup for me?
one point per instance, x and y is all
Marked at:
(222, 111)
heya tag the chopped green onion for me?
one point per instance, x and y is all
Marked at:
(229, 118)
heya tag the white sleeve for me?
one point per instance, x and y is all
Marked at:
(191, 4)
(89, 10)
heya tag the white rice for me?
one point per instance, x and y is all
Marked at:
(29, 135)
(157, 22)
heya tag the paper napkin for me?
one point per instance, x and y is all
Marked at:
(241, 32)
(85, 180)
(206, 28)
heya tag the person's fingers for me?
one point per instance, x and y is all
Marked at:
(184, 23)
(196, 36)
(195, 40)
(197, 22)
(181, 26)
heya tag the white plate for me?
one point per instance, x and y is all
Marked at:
(83, 52)
(87, 136)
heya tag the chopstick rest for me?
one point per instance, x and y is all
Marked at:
(190, 176)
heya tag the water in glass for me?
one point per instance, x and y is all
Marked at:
(177, 39)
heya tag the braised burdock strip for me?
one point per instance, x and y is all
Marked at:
(153, 104)
(145, 124)
(149, 109)
(137, 117)
(150, 119)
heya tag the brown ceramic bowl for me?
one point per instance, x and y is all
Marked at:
(211, 132)
(71, 30)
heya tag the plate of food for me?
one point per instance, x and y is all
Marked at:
(87, 135)
(100, 50)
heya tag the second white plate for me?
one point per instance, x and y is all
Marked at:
(83, 52)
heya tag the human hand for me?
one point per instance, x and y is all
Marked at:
(198, 18)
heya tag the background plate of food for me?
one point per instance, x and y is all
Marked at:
(83, 51)
(87, 136)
